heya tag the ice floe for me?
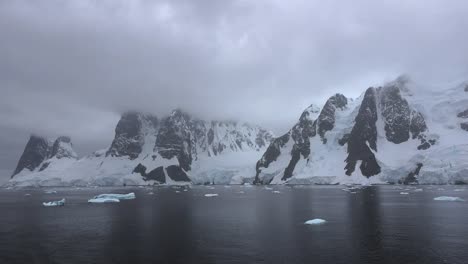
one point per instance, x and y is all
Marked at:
(316, 221)
(404, 193)
(54, 203)
(50, 192)
(211, 194)
(449, 198)
(128, 196)
(103, 200)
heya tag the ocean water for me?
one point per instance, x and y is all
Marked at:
(241, 225)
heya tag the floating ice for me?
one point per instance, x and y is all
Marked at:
(50, 192)
(103, 200)
(127, 196)
(268, 188)
(276, 192)
(449, 198)
(211, 194)
(177, 191)
(404, 193)
(418, 190)
(54, 203)
(27, 194)
(459, 190)
(316, 221)
(150, 193)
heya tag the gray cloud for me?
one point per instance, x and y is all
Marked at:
(70, 67)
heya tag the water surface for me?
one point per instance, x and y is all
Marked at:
(241, 225)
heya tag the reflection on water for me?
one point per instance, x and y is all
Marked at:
(375, 225)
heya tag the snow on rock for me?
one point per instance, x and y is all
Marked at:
(449, 199)
(177, 149)
(54, 203)
(316, 221)
(402, 132)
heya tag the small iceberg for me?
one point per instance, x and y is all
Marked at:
(449, 198)
(27, 194)
(211, 194)
(104, 200)
(128, 196)
(459, 190)
(276, 192)
(404, 193)
(268, 188)
(50, 192)
(418, 190)
(54, 203)
(150, 193)
(316, 221)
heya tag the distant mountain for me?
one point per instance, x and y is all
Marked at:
(397, 133)
(146, 149)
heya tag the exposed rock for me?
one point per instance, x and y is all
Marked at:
(271, 154)
(464, 126)
(156, 174)
(62, 148)
(463, 114)
(36, 151)
(326, 119)
(176, 173)
(129, 138)
(466, 88)
(174, 139)
(411, 178)
(363, 137)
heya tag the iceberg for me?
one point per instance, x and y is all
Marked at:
(104, 200)
(404, 193)
(316, 221)
(211, 194)
(128, 196)
(50, 192)
(54, 203)
(449, 198)
(276, 192)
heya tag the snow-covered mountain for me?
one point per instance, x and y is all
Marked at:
(146, 150)
(398, 133)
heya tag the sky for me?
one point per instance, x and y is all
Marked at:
(72, 67)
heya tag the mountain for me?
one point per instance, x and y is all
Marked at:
(398, 133)
(145, 150)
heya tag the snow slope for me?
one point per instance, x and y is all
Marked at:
(408, 149)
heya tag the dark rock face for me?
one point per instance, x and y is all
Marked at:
(271, 154)
(36, 151)
(464, 126)
(174, 139)
(128, 139)
(156, 174)
(363, 138)
(411, 177)
(396, 113)
(466, 88)
(417, 125)
(176, 173)
(463, 114)
(400, 120)
(263, 138)
(326, 119)
(62, 148)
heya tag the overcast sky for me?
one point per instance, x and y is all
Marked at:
(71, 67)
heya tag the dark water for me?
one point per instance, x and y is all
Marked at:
(375, 225)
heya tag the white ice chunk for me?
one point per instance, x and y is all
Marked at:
(276, 192)
(103, 200)
(117, 196)
(316, 221)
(211, 194)
(50, 192)
(418, 190)
(55, 203)
(404, 193)
(449, 198)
